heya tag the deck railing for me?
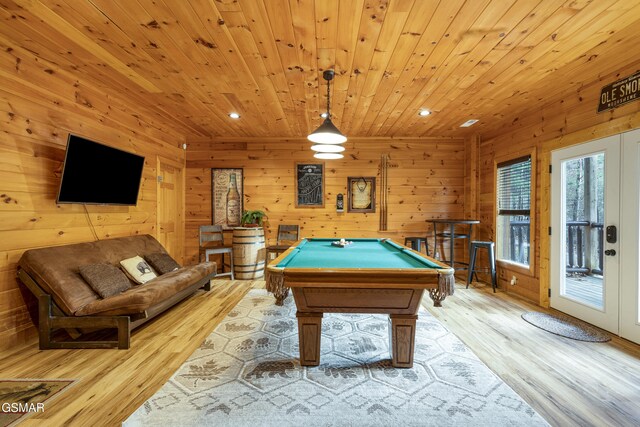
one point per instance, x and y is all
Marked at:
(577, 258)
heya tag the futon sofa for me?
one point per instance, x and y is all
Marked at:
(66, 301)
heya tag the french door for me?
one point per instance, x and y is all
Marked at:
(585, 201)
(594, 244)
(630, 238)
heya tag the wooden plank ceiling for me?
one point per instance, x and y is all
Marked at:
(194, 61)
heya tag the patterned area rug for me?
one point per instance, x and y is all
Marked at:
(565, 326)
(20, 398)
(247, 373)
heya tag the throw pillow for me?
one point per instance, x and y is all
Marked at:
(162, 263)
(105, 279)
(138, 269)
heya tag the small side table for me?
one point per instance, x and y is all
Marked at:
(449, 231)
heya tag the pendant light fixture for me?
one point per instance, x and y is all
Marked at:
(328, 156)
(327, 137)
(327, 148)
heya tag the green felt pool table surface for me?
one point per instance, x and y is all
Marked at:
(362, 253)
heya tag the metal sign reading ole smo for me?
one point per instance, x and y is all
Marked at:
(620, 92)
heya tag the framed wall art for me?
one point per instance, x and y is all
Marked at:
(309, 180)
(227, 195)
(361, 194)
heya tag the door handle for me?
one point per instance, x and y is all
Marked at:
(610, 252)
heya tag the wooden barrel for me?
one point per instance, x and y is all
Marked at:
(248, 252)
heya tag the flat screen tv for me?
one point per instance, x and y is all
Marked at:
(94, 173)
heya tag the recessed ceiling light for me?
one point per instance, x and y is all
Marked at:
(327, 148)
(424, 113)
(234, 115)
(469, 123)
(328, 156)
(324, 115)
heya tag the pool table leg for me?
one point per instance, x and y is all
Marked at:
(402, 336)
(309, 329)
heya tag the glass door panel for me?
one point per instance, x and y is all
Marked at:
(583, 181)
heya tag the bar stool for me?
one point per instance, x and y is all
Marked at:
(489, 246)
(415, 243)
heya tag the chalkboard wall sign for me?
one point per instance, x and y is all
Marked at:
(309, 185)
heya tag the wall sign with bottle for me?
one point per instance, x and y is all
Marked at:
(227, 197)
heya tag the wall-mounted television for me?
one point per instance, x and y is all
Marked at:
(95, 173)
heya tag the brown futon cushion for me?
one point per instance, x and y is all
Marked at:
(106, 279)
(162, 263)
(141, 298)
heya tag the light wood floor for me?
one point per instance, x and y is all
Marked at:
(568, 382)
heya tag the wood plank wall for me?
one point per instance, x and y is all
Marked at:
(39, 105)
(426, 180)
(569, 120)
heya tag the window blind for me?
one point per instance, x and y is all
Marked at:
(514, 187)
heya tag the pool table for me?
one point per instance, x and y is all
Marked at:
(366, 276)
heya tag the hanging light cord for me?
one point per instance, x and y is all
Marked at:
(328, 100)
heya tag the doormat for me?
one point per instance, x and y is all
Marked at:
(247, 373)
(20, 398)
(565, 326)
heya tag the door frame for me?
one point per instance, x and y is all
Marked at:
(607, 318)
(180, 166)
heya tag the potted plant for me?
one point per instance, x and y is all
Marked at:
(252, 218)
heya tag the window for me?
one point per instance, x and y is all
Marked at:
(514, 210)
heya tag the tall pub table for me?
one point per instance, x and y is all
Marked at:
(448, 230)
